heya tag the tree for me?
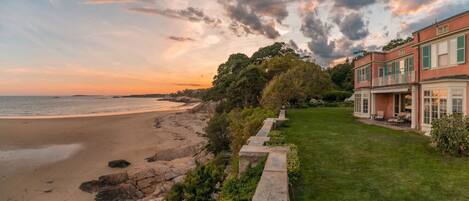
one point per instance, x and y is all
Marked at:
(280, 64)
(218, 134)
(268, 52)
(342, 76)
(396, 42)
(227, 72)
(247, 87)
(296, 86)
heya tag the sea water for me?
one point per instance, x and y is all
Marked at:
(73, 106)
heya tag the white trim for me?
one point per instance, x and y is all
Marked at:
(449, 87)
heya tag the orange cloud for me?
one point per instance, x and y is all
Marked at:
(405, 7)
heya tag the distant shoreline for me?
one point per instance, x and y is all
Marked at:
(181, 107)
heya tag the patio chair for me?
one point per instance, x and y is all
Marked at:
(379, 115)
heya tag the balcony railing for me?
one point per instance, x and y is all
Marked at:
(401, 78)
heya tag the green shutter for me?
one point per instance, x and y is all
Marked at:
(368, 77)
(461, 50)
(385, 71)
(410, 63)
(426, 52)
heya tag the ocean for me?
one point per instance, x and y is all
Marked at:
(73, 106)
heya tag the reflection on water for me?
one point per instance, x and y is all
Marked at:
(16, 159)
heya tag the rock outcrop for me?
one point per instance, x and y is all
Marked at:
(118, 164)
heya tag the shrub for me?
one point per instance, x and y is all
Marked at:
(218, 133)
(336, 96)
(315, 102)
(277, 138)
(293, 164)
(244, 124)
(242, 189)
(200, 183)
(451, 135)
(334, 104)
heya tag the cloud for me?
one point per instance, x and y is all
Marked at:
(353, 26)
(109, 1)
(399, 7)
(321, 45)
(180, 39)
(187, 84)
(256, 17)
(353, 4)
(190, 14)
(436, 14)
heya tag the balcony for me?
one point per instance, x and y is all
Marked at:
(401, 78)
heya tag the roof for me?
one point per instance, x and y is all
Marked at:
(443, 21)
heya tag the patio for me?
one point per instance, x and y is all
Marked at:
(395, 126)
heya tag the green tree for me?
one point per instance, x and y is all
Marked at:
(296, 86)
(268, 52)
(342, 76)
(226, 75)
(246, 90)
(218, 134)
(396, 42)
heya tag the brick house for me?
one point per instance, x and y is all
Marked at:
(418, 81)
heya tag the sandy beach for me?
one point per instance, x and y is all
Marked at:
(47, 159)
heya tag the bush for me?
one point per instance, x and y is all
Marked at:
(315, 102)
(334, 104)
(218, 133)
(293, 164)
(336, 96)
(242, 189)
(276, 138)
(244, 124)
(200, 183)
(451, 135)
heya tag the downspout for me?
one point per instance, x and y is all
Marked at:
(419, 87)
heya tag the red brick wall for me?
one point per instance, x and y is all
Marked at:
(461, 69)
(384, 102)
(453, 25)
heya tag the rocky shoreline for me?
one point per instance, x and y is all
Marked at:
(163, 169)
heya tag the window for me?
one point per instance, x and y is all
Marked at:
(435, 105)
(381, 72)
(358, 101)
(426, 52)
(443, 53)
(439, 103)
(461, 49)
(364, 74)
(442, 30)
(402, 52)
(365, 105)
(457, 99)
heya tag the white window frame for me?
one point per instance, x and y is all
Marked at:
(451, 88)
(435, 51)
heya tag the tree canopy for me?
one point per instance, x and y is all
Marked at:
(396, 42)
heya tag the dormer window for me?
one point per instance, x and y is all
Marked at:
(442, 29)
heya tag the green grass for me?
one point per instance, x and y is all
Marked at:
(342, 159)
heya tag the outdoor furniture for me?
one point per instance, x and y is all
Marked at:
(400, 118)
(379, 115)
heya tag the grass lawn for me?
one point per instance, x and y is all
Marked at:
(342, 159)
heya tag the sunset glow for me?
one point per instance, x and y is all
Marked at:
(112, 47)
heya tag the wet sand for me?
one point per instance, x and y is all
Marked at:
(47, 159)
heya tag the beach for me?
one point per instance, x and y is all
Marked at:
(48, 159)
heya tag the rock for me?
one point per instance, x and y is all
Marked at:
(118, 164)
(119, 192)
(144, 174)
(172, 174)
(174, 153)
(113, 179)
(145, 183)
(49, 190)
(90, 186)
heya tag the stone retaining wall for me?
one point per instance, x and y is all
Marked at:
(273, 185)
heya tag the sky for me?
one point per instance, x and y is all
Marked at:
(117, 47)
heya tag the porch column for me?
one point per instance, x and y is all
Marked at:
(414, 122)
(373, 105)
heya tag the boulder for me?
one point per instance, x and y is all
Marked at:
(120, 192)
(118, 164)
(90, 186)
(174, 153)
(113, 179)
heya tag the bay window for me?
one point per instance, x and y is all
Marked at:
(358, 101)
(438, 103)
